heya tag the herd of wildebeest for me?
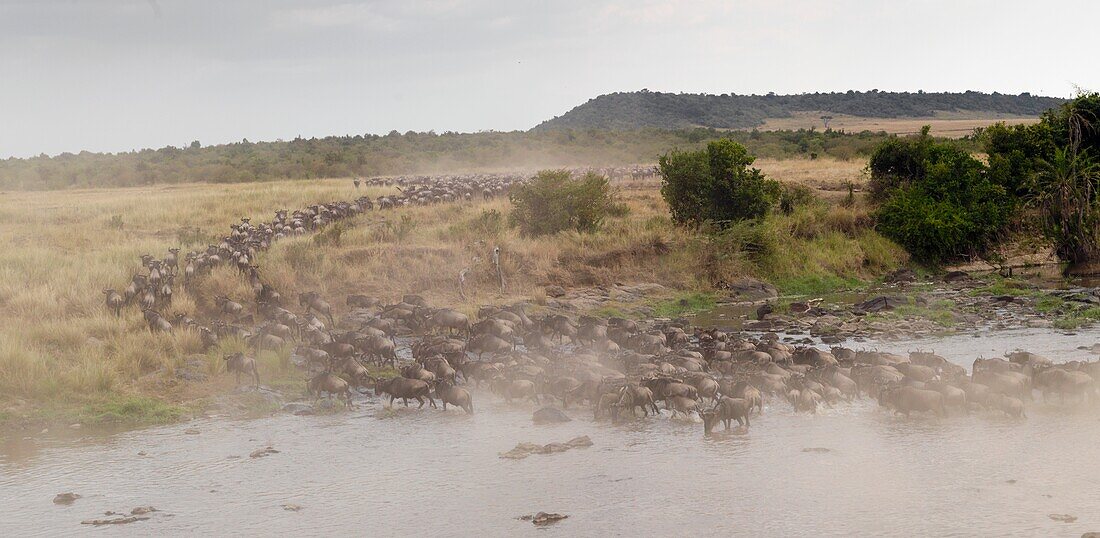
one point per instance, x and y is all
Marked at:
(614, 366)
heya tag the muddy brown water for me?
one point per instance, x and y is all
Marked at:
(372, 472)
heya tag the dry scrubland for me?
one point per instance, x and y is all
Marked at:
(61, 350)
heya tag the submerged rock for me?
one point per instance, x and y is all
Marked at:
(121, 520)
(291, 507)
(263, 452)
(523, 450)
(298, 408)
(579, 442)
(1064, 518)
(66, 498)
(550, 415)
(544, 518)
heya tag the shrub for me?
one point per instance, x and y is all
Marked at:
(553, 201)
(715, 185)
(938, 201)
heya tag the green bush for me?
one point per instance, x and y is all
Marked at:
(937, 200)
(1052, 165)
(553, 201)
(715, 185)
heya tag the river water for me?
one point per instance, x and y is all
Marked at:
(372, 472)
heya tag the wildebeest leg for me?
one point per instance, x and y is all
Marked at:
(255, 377)
(421, 400)
(444, 404)
(392, 398)
(432, 401)
(406, 400)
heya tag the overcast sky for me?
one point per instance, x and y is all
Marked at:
(112, 75)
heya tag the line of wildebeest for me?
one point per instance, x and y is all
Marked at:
(616, 366)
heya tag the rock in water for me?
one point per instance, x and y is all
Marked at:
(115, 521)
(579, 442)
(65, 498)
(550, 415)
(879, 304)
(543, 518)
(956, 276)
(1064, 518)
(748, 289)
(904, 274)
(261, 452)
(298, 408)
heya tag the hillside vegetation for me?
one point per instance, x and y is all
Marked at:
(409, 153)
(634, 110)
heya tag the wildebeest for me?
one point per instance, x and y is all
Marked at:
(726, 411)
(404, 388)
(115, 301)
(448, 393)
(240, 364)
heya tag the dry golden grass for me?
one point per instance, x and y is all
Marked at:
(946, 124)
(59, 346)
(57, 340)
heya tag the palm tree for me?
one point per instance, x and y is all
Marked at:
(1066, 188)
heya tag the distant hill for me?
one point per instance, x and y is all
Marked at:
(634, 110)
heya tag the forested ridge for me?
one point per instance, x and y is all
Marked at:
(632, 110)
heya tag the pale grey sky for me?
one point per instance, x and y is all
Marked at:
(112, 75)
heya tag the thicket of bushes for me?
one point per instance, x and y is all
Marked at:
(554, 201)
(937, 200)
(942, 204)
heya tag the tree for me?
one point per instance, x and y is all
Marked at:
(715, 185)
(1066, 194)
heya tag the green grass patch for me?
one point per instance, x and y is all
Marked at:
(1048, 303)
(818, 285)
(685, 304)
(939, 312)
(610, 311)
(1078, 318)
(1006, 286)
(131, 410)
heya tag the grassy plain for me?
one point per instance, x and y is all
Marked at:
(62, 353)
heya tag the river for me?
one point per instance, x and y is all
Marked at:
(372, 472)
